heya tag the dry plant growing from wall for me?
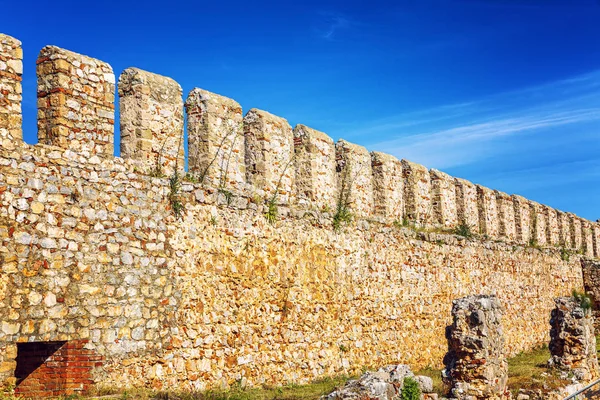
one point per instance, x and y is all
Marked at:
(157, 170)
(463, 229)
(226, 161)
(343, 212)
(272, 210)
(222, 175)
(175, 187)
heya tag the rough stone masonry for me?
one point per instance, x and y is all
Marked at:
(476, 366)
(93, 253)
(572, 339)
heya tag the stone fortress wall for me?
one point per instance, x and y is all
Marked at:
(188, 285)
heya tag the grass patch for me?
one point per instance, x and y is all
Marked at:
(312, 391)
(436, 376)
(584, 300)
(530, 371)
(525, 371)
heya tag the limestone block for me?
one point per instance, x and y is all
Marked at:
(418, 207)
(476, 365)
(315, 168)
(11, 70)
(151, 121)
(572, 339)
(270, 155)
(488, 212)
(506, 215)
(552, 227)
(466, 201)
(355, 177)
(443, 199)
(539, 224)
(383, 384)
(388, 186)
(523, 219)
(587, 237)
(575, 232)
(76, 97)
(216, 144)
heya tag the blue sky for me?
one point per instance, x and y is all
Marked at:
(505, 93)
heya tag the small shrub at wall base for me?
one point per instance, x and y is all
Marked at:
(227, 194)
(410, 389)
(463, 230)
(190, 178)
(583, 299)
(174, 187)
(272, 211)
(534, 244)
(565, 254)
(342, 215)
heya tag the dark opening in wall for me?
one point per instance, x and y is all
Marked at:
(51, 369)
(31, 356)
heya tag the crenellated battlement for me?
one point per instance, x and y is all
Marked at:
(443, 190)
(243, 268)
(269, 144)
(216, 144)
(354, 178)
(506, 214)
(388, 186)
(76, 106)
(315, 162)
(151, 109)
(11, 71)
(259, 153)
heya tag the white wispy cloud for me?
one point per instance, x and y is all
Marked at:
(338, 23)
(549, 176)
(331, 24)
(460, 134)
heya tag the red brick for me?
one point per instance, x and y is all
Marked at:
(66, 371)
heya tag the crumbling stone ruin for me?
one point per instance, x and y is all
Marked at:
(572, 339)
(591, 274)
(476, 365)
(235, 271)
(386, 383)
